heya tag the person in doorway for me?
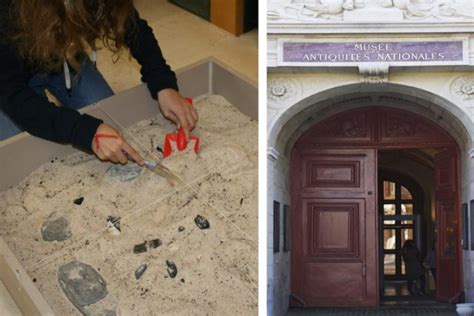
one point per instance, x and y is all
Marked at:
(51, 45)
(430, 260)
(415, 270)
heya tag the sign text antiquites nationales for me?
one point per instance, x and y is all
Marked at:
(432, 52)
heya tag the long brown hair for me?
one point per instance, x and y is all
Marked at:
(50, 31)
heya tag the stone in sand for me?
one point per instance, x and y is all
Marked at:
(202, 222)
(172, 269)
(113, 225)
(79, 200)
(56, 228)
(140, 271)
(155, 243)
(82, 284)
(124, 173)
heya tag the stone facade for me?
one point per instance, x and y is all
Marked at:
(302, 93)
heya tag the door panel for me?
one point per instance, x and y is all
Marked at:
(334, 244)
(448, 251)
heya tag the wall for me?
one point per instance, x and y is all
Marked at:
(302, 94)
(314, 96)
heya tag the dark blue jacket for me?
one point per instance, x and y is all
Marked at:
(60, 124)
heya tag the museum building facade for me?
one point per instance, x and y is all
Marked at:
(370, 144)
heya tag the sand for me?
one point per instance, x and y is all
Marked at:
(217, 267)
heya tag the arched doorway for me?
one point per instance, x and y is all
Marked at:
(335, 256)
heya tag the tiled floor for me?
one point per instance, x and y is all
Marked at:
(184, 39)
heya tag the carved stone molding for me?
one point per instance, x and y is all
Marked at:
(374, 73)
(314, 11)
(471, 153)
(272, 154)
(282, 90)
(463, 88)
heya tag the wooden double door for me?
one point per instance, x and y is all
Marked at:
(334, 260)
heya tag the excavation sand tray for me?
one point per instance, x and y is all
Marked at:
(58, 215)
(55, 221)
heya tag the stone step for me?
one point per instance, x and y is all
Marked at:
(435, 309)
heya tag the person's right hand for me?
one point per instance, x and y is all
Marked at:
(108, 144)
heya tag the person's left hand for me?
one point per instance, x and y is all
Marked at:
(177, 109)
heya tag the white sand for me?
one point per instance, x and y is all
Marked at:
(218, 265)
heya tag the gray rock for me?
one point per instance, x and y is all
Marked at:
(82, 284)
(94, 312)
(172, 269)
(56, 228)
(140, 271)
(124, 173)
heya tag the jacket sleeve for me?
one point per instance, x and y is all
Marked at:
(34, 113)
(156, 73)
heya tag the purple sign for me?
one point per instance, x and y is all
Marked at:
(359, 52)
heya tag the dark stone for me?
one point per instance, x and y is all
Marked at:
(109, 312)
(79, 201)
(159, 149)
(147, 245)
(202, 222)
(241, 201)
(94, 311)
(34, 280)
(140, 271)
(56, 228)
(114, 221)
(126, 172)
(172, 269)
(140, 248)
(155, 243)
(181, 228)
(182, 281)
(82, 284)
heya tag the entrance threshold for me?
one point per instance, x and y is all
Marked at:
(416, 308)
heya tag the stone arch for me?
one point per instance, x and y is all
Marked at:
(298, 118)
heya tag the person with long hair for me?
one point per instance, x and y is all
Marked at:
(415, 270)
(51, 45)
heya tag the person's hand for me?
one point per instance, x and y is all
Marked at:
(109, 145)
(175, 108)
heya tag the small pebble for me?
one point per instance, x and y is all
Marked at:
(181, 228)
(172, 269)
(140, 271)
(155, 243)
(34, 280)
(159, 149)
(202, 222)
(147, 245)
(140, 248)
(113, 224)
(79, 200)
(182, 280)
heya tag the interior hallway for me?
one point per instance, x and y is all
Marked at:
(184, 39)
